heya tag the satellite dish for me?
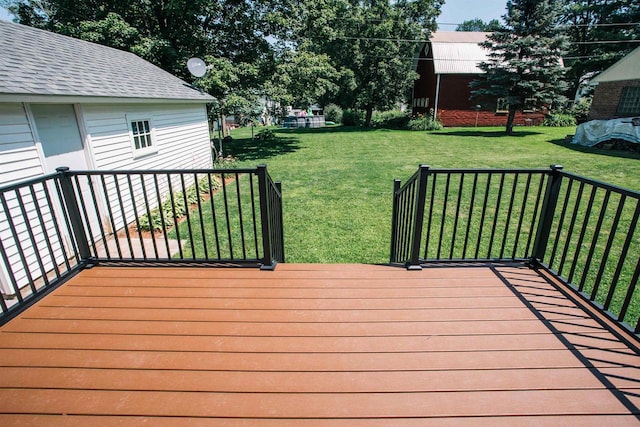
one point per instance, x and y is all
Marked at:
(197, 67)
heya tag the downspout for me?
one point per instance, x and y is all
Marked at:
(435, 104)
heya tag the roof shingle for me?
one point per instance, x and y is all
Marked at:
(38, 62)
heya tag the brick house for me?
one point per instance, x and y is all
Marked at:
(617, 93)
(447, 63)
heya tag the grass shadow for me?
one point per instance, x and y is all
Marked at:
(326, 129)
(254, 149)
(594, 150)
(485, 133)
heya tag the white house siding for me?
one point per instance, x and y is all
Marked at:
(20, 160)
(19, 157)
(180, 134)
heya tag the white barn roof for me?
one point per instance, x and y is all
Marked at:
(35, 62)
(628, 68)
(458, 52)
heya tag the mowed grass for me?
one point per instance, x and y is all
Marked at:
(337, 182)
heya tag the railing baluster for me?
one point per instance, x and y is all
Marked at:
(152, 230)
(607, 249)
(45, 230)
(470, 220)
(583, 231)
(98, 217)
(495, 216)
(535, 215)
(572, 223)
(509, 212)
(176, 223)
(627, 243)
(523, 208)
(430, 217)
(483, 215)
(161, 213)
(111, 215)
(457, 216)
(253, 215)
(594, 240)
(239, 201)
(202, 231)
(213, 215)
(444, 215)
(125, 223)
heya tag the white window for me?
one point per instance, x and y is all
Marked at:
(142, 140)
(629, 101)
(502, 106)
(529, 105)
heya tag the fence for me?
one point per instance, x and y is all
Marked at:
(53, 226)
(582, 231)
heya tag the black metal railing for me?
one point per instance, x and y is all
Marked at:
(55, 225)
(582, 231)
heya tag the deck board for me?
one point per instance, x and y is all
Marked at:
(313, 345)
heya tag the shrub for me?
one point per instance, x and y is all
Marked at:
(193, 193)
(393, 119)
(421, 122)
(265, 134)
(581, 109)
(352, 117)
(559, 120)
(333, 113)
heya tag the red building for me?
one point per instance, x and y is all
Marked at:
(447, 64)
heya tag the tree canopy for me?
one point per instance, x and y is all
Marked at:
(358, 54)
(525, 60)
(593, 27)
(478, 24)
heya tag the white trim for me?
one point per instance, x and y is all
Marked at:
(138, 153)
(79, 99)
(435, 108)
(35, 136)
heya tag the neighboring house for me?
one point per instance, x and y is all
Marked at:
(448, 62)
(68, 102)
(617, 93)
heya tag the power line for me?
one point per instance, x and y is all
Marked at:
(427, 41)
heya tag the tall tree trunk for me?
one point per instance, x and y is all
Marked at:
(510, 119)
(367, 119)
(223, 120)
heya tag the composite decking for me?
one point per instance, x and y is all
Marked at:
(314, 345)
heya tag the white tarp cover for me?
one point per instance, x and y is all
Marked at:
(596, 131)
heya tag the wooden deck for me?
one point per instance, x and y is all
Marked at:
(313, 345)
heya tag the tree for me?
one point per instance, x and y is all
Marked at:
(302, 77)
(590, 22)
(478, 24)
(525, 59)
(166, 33)
(370, 44)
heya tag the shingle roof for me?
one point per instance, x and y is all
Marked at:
(38, 62)
(628, 68)
(458, 52)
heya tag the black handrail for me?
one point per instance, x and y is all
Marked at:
(582, 231)
(53, 226)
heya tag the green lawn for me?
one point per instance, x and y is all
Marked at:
(337, 182)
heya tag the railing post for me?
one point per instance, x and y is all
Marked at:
(547, 212)
(414, 263)
(268, 262)
(394, 220)
(73, 210)
(280, 221)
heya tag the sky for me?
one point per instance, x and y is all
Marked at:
(453, 12)
(458, 11)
